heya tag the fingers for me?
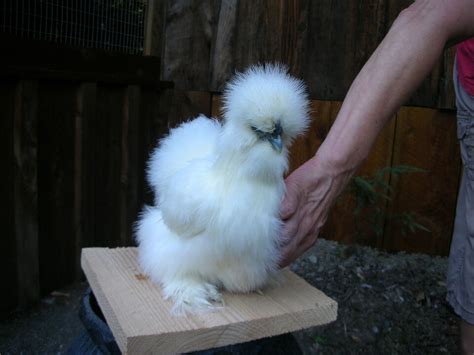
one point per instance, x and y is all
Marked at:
(291, 254)
(298, 242)
(290, 202)
(288, 206)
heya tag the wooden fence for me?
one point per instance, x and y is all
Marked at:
(76, 128)
(325, 42)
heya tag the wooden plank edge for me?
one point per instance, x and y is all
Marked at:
(224, 335)
(112, 320)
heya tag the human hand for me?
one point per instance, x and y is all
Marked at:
(311, 191)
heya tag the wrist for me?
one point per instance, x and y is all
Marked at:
(336, 162)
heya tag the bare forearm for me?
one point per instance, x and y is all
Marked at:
(397, 67)
(400, 63)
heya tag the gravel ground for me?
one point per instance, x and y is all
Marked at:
(50, 327)
(388, 304)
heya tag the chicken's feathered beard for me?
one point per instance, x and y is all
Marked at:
(218, 189)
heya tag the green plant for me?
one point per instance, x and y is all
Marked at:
(319, 340)
(371, 195)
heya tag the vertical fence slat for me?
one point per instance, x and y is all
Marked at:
(84, 171)
(107, 133)
(362, 229)
(26, 193)
(129, 169)
(8, 260)
(186, 105)
(426, 139)
(323, 114)
(188, 35)
(153, 124)
(56, 190)
(154, 27)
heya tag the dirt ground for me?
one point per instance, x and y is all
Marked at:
(388, 304)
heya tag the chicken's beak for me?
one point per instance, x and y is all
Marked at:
(275, 141)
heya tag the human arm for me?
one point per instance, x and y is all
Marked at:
(399, 64)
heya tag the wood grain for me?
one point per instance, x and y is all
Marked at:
(189, 28)
(343, 210)
(153, 124)
(425, 139)
(8, 259)
(186, 105)
(323, 114)
(141, 320)
(56, 170)
(26, 191)
(85, 170)
(129, 207)
(108, 137)
(324, 42)
(154, 27)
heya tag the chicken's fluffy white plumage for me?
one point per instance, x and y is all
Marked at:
(218, 187)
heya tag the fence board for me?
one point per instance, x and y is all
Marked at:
(84, 170)
(129, 174)
(426, 139)
(108, 160)
(324, 42)
(186, 105)
(26, 193)
(222, 54)
(323, 114)
(188, 35)
(9, 294)
(56, 190)
(153, 124)
(154, 20)
(360, 230)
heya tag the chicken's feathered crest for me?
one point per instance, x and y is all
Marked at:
(268, 90)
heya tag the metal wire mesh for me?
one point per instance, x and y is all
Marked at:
(115, 25)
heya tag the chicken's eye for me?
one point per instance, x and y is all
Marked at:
(259, 133)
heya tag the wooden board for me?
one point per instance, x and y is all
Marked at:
(57, 110)
(141, 320)
(25, 147)
(361, 231)
(188, 35)
(425, 139)
(9, 296)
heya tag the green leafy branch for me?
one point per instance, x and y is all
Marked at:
(371, 194)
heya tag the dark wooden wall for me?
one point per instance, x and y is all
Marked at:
(325, 42)
(76, 127)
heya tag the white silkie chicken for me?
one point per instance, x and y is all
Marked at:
(218, 189)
